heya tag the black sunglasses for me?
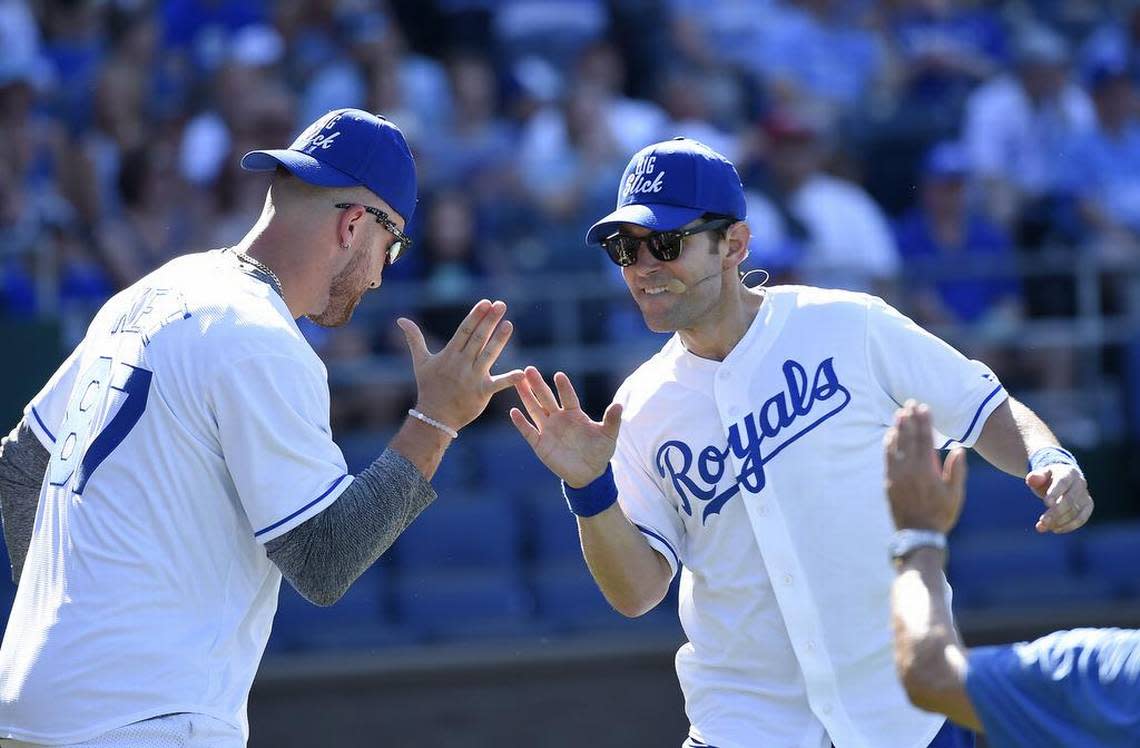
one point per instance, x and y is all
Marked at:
(403, 242)
(664, 245)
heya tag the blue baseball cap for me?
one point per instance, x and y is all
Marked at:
(671, 183)
(346, 148)
(947, 160)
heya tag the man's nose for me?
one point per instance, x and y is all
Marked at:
(646, 262)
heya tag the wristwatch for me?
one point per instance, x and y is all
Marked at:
(905, 542)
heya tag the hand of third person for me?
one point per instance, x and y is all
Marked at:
(924, 493)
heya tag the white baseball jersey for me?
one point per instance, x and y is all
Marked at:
(189, 427)
(762, 476)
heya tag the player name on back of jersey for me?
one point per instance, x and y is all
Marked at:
(755, 439)
(152, 310)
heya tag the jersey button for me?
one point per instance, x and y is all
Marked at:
(827, 708)
(724, 375)
(787, 579)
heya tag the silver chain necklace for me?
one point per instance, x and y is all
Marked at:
(274, 281)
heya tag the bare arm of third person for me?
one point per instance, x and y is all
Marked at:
(926, 495)
(631, 574)
(323, 556)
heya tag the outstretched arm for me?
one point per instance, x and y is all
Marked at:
(926, 496)
(324, 555)
(632, 575)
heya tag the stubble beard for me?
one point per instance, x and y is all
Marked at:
(345, 293)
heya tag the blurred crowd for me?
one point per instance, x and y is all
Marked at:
(878, 140)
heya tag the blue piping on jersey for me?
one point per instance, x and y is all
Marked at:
(668, 545)
(974, 422)
(43, 425)
(278, 523)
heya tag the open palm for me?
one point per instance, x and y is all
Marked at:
(575, 447)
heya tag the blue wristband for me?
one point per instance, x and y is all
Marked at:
(593, 498)
(1052, 456)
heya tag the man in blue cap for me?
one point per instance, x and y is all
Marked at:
(747, 454)
(180, 462)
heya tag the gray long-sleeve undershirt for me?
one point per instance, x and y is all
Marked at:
(23, 463)
(321, 557)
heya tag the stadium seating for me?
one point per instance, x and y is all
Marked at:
(568, 598)
(985, 566)
(1109, 554)
(996, 500)
(360, 620)
(445, 604)
(508, 463)
(461, 531)
(552, 531)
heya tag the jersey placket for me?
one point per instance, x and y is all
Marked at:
(786, 575)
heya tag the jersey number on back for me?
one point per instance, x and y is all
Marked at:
(106, 403)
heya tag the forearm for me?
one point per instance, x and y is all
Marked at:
(421, 444)
(929, 655)
(1011, 434)
(630, 573)
(23, 462)
(323, 556)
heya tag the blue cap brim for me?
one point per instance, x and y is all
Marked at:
(653, 217)
(301, 165)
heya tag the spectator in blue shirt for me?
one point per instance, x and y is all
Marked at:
(944, 49)
(1067, 689)
(1104, 164)
(943, 231)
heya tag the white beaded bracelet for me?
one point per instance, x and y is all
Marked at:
(432, 422)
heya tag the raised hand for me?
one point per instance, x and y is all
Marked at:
(455, 385)
(574, 447)
(924, 493)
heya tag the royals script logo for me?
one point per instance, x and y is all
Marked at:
(642, 178)
(755, 440)
(320, 135)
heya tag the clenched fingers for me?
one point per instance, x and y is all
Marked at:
(1069, 504)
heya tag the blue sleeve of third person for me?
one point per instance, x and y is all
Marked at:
(1069, 689)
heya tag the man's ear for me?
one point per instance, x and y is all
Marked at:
(739, 236)
(348, 225)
